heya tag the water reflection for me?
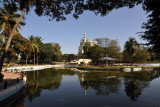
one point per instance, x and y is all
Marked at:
(104, 83)
(100, 84)
(47, 79)
(136, 82)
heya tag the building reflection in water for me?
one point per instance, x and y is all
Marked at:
(102, 82)
(106, 83)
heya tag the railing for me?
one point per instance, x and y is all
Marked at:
(10, 82)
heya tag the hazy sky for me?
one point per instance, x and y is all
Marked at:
(119, 24)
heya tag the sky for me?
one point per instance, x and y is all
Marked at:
(118, 24)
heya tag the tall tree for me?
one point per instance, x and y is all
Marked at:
(95, 53)
(28, 50)
(48, 52)
(111, 47)
(18, 46)
(8, 18)
(152, 26)
(38, 43)
(103, 42)
(131, 47)
(33, 44)
(141, 56)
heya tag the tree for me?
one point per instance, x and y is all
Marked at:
(47, 53)
(103, 42)
(38, 43)
(152, 26)
(8, 19)
(33, 45)
(17, 47)
(86, 47)
(59, 9)
(69, 57)
(130, 48)
(134, 52)
(2, 40)
(58, 53)
(28, 50)
(95, 53)
(141, 56)
(111, 47)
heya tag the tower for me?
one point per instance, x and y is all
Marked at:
(84, 37)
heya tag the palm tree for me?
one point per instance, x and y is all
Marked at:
(131, 47)
(28, 50)
(38, 42)
(33, 45)
(10, 21)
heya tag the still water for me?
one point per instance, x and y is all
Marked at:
(61, 88)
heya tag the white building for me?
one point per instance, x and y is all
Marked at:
(82, 61)
(82, 43)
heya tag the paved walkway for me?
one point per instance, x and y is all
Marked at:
(9, 75)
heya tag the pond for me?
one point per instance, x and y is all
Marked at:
(65, 87)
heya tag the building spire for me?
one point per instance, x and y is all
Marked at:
(84, 37)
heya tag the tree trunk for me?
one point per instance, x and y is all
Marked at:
(37, 58)
(131, 60)
(10, 38)
(34, 58)
(26, 59)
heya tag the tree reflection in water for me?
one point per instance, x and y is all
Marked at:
(49, 79)
(103, 82)
(106, 83)
(136, 82)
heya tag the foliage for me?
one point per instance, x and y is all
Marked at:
(59, 9)
(18, 46)
(111, 47)
(50, 52)
(142, 55)
(94, 52)
(58, 54)
(69, 57)
(103, 42)
(130, 48)
(152, 26)
(8, 18)
(155, 57)
(36, 43)
(113, 50)
(134, 52)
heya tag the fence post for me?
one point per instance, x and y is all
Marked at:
(5, 85)
(17, 80)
